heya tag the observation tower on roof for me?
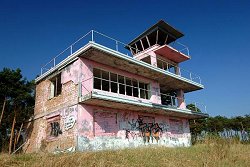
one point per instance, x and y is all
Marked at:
(160, 36)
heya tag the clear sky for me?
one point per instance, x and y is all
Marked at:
(216, 32)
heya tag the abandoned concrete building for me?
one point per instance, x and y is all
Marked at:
(100, 93)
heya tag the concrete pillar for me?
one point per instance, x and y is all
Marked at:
(153, 59)
(180, 99)
(177, 69)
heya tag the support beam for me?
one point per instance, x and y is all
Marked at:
(166, 39)
(157, 33)
(142, 45)
(148, 41)
(136, 48)
(131, 50)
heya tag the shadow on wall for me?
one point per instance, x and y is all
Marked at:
(105, 124)
(28, 131)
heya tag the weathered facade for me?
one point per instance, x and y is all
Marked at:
(99, 98)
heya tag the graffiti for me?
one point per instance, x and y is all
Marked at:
(133, 124)
(85, 126)
(125, 130)
(69, 122)
(68, 150)
(174, 141)
(129, 134)
(164, 126)
(148, 129)
(69, 116)
(55, 129)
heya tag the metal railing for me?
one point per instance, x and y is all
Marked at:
(166, 99)
(179, 47)
(116, 45)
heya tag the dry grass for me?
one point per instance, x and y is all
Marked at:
(211, 153)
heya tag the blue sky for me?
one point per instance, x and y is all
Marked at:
(216, 32)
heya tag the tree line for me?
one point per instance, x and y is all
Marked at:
(217, 124)
(17, 106)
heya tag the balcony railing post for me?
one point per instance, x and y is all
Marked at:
(54, 60)
(190, 75)
(41, 70)
(171, 100)
(92, 35)
(116, 45)
(195, 106)
(199, 79)
(71, 49)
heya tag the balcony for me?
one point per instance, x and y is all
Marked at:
(104, 43)
(133, 99)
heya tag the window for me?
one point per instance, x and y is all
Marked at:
(165, 65)
(135, 88)
(144, 90)
(128, 87)
(111, 82)
(105, 81)
(97, 79)
(169, 98)
(121, 84)
(55, 86)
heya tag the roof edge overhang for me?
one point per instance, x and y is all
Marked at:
(94, 45)
(161, 25)
(152, 107)
(64, 63)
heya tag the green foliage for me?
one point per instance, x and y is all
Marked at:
(219, 123)
(18, 93)
(193, 108)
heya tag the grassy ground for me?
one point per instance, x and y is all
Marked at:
(218, 153)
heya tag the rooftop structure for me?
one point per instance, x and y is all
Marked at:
(100, 93)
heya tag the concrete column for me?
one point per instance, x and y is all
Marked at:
(153, 59)
(177, 69)
(180, 99)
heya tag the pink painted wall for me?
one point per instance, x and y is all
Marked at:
(105, 128)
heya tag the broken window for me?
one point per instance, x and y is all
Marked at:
(135, 88)
(105, 80)
(55, 86)
(114, 86)
(121, 84)
(97, 79)
(111, 82)
(144, 90)
(128, 87)
(169, 98)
